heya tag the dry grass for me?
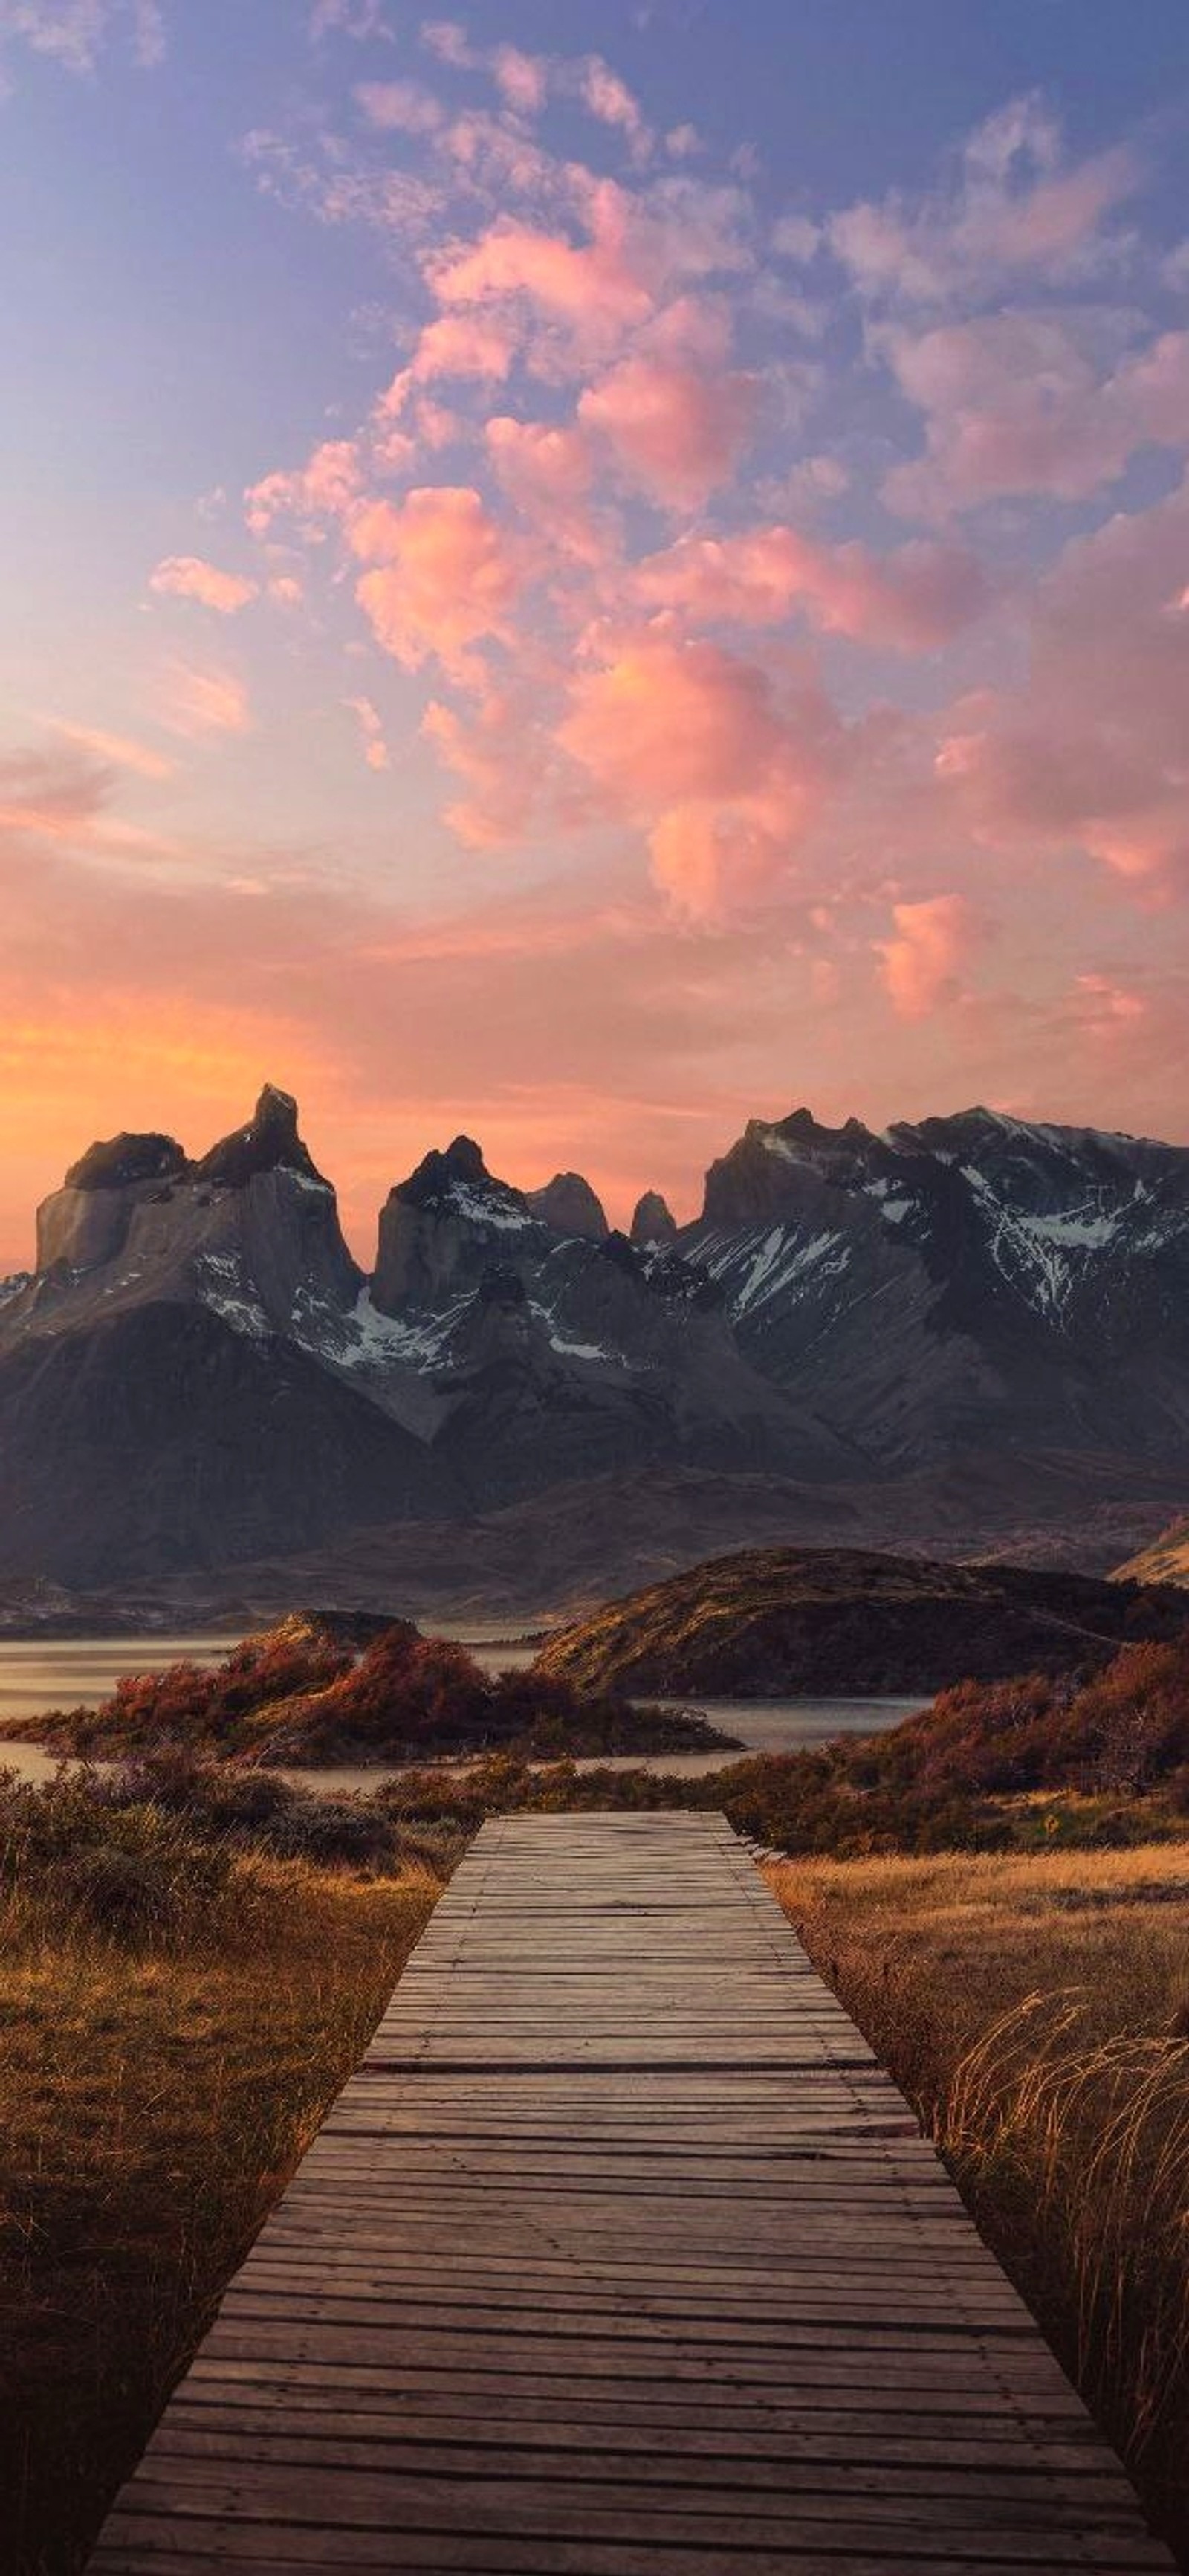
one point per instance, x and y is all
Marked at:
(158, 2087)
(1036, 2011)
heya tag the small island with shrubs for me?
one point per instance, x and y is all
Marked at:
(328, 1687)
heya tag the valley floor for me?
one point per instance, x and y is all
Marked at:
(1036, 2012)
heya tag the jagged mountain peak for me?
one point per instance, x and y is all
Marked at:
(449, 1180)
(777, 1162)
(568, 1205)
(801, 1126)
(942, 1299)
(270, 1142)
(438, 1228)
(121, 1160)
(652, 1221)
(465, 1158)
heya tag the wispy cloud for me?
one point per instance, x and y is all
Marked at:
(195, 700)
(75, 33)
(371, 734)
(121, 750)
(189, 577)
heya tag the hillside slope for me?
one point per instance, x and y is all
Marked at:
(774, 1620)
(1165, 1560)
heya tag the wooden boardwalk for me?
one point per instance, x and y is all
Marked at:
(620, 2256)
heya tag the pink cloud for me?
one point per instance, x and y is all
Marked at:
(1090, 752)
(194, 701)
(1014, 403)
(400, 107)
(74, 33)
(59, 799)
(362, 20)
(712, 864)
(48, 796)
(117, 750)
(796, 238)
(493, 751)
(445, 38)
(547, 472)
(1102, 1006)
(691, 743)
(495, 159)
(672, 429)
(522, 79)
(445, 574)
(659, 720)
(914, 599)
(371, 733)
(325, 487)
(1015, 211)
(722, 770)
(188, 577)
(463, 345)
(609, 99)
(591, 288)
(920, 963)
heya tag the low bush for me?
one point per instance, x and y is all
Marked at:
(138, 1895)
(303, 1694)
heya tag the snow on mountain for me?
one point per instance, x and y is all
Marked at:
(965, 1295)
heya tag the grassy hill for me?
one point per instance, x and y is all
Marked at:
(771, 1621)
(1166, 1560)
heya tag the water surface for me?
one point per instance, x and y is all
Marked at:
(78, 1672)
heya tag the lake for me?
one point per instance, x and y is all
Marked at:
(76, 1672)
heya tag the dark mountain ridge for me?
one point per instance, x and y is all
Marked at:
(199, 1374)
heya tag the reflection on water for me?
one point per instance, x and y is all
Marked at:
(772, 1726)
(77, 1672)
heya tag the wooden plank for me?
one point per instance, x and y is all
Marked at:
(621, 2254)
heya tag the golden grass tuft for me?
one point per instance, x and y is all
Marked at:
(160, 2084)
(1035, 2011)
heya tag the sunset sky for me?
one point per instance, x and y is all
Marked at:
(589, 573)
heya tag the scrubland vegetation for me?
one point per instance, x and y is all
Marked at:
(308, 1691)
(194, 1952)
(1036, 2012)
(1042, 1762)
(189, 1969)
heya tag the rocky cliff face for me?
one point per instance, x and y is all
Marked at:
(249, 1231)
(960, 1283)
(440, 1229)
(652, 1222)
(568, 1205)
(198, 1371)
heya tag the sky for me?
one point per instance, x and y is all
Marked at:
(584, 575)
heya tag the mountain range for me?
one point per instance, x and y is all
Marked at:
(970, 1333)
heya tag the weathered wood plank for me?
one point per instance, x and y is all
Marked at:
(621, 2254)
